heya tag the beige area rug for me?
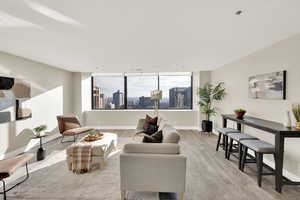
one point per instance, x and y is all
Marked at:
(51, 180)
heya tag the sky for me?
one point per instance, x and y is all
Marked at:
(140, 85)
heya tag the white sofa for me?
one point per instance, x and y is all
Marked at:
(154, 167)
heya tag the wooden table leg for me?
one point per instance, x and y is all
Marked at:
(279, 148)
(239, 127)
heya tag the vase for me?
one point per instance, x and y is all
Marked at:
(207, 126)
(240, 115)
(288, 121)
(298, 125)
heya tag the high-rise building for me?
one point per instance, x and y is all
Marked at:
(101, 101)
(98, 98)
(145, 102)
(180, 97)
(189, 97)
(118, 99)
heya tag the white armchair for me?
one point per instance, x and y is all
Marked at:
(152, 167)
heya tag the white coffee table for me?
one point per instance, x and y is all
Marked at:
(100, 150)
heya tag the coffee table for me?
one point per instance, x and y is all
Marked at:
(100, 150)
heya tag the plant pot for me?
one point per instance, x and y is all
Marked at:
(207, 126)
(240, 115)
(297, 125)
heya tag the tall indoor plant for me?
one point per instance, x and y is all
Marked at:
(208, 95)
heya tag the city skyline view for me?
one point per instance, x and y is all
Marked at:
(108, 92)
(108, 84)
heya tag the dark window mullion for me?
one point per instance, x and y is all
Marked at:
(125, 92)
(92, 90)
(192, 91)
(158, 85)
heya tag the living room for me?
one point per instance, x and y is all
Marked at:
(131, 100)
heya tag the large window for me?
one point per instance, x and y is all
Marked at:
(177, 92)
(134, 91)
(108, 92)
(139, 91)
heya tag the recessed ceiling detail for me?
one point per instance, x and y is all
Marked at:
(154, 36)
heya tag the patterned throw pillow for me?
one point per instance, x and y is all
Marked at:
(149, 120)
(154, 138)
(151, 129)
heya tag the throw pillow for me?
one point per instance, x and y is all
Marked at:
(151, 129)
(149, 120)
(155, 138)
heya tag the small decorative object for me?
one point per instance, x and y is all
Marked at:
(208, 95)
(288, 121)
(240, 113)
(38, 131)
(156, 96)
(296, 111)
(93, 136)
(268, 86)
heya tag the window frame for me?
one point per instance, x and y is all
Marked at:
(92, 96)
(157, 76)
(191, 108)
(126, 92)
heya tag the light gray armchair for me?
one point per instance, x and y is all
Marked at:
(152, 167)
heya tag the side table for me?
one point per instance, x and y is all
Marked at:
(41, 152)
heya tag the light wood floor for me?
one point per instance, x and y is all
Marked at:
(209, 175)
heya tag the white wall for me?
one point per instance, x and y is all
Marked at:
(128, 118)
(281, 56)
(51, 95)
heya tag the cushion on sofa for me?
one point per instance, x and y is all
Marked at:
(151, 148)
(149, 120)
(151, 129)
(170, 135)
(162, 123)
(154, 138)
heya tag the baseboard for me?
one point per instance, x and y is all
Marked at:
(187, 128)
(30, 145)
(133, 127)
(113, 127)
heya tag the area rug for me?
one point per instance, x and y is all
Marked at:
(51, 180)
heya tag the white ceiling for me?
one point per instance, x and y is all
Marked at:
(152, 35)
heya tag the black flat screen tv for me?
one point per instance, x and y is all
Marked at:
(6, 83)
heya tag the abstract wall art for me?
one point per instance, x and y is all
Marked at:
(268, 86)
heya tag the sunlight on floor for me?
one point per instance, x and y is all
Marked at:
(51, 159)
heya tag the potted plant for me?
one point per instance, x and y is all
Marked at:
(208, 95)
(240, 113)
(296, 111)
(39, 130)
